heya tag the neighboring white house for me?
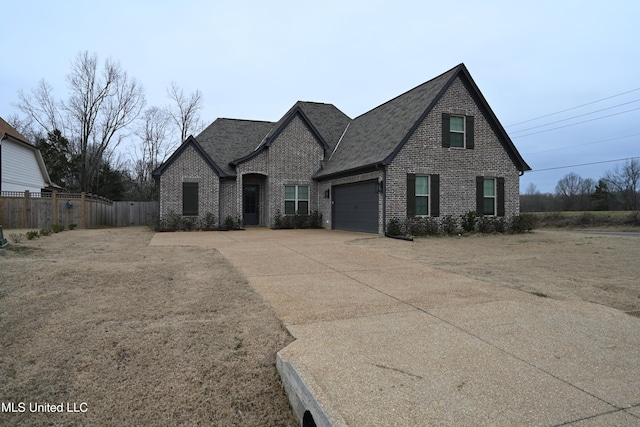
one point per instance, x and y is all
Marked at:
(21, 164)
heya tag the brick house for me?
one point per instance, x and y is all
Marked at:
(435, 150)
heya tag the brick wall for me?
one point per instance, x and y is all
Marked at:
(189, 167)
(293, 158)
(424, 154)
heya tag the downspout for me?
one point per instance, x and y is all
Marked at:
(384, 200)
(1, 139)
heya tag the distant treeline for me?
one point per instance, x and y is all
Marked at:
(616, 190)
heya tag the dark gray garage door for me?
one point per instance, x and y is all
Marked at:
(355, 207)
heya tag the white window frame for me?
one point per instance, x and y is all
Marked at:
(463, 132)
(297, 199)
(427, 195)
(494, 197)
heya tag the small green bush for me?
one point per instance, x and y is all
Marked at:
(277, 220)
(72, 226)
(45, 232)
(422, 226)
(229, 222)
(57, 228)
(485, 225)
(449, 225)
(188, 223)
(522, 223)
(32, 234)
(468, 221)
(394, 228)
(209, 222)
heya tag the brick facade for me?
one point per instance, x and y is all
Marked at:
(423, 154)
(293, 157)
(294, 154)
(189, 167)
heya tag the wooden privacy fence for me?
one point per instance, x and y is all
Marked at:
(41, 210)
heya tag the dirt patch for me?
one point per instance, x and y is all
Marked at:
(140, 335)
(563, 265)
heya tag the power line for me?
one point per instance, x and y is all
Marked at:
(582, 145)
(577, 123)
(583, 164)
(575, 117)
(573, 108)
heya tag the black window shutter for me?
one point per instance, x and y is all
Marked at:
(434, 193)
(446, 129)
(190, 198)
(500, 195)
(469, 132)
(411, 194)
(480, 195)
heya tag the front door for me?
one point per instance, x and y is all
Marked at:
(250, 204)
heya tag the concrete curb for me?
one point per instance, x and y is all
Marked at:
(302, 399)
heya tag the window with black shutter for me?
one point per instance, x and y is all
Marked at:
(458, 131)
(190, 199)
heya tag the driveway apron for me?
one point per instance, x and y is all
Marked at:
(382, 340)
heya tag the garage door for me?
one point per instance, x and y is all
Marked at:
(355, 207)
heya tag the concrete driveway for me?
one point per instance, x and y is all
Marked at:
(383, 341)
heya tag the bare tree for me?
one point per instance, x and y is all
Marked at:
(625, 180)
(186, 110)
(574, 191)
(155, 148)
(41, 107)
(101, 105)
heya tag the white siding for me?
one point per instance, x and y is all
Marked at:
(20, 170)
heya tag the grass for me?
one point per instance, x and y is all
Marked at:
(587, 219)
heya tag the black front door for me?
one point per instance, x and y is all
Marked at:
(250, 204)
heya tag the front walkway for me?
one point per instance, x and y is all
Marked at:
(386, 341)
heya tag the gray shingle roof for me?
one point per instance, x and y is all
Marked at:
(226, 140)
(375, 135)
(371, 139)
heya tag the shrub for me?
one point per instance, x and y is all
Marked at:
(315, 220)
(72, 226)
(422, 226)
(209, 222)
(484, 224)
(17, 238)
(277, 220)
(57, 228)
(393, 227)
(32, 234)
(633, 218)
(170, 222)
(45, 232)
(468, 221)
(522, 223)
(188, 223)
(499, 225)
(229, 222)
(449, 225)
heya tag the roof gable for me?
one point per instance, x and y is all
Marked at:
(8, 131)
(324, 121)
(190, 141)
(226, 140)
(376, 137)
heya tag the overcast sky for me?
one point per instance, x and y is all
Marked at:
(255, 59)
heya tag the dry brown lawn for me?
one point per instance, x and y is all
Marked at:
(598, 268)
(174, 335)
(165, 336)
